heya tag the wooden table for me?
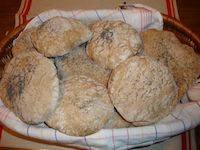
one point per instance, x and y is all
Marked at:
(189, 11)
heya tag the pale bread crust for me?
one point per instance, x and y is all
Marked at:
(113, 42)
(30, 87)
(187, 69)
(84, 107)
(181, 59)
(78, 63)
(23, 42)
(58, 35)
(116, 121)
(142, 90)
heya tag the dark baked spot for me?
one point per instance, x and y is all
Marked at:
(17, 82)
(107, 35)
(10, 91)
(21, 84)
(16, 86)
(30, 68)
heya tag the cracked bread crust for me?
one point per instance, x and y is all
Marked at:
(113, 42)
(142, 90)
(30, 87)
(78, 63)
(58, 35)
(84, 107)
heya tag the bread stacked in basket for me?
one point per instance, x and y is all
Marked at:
(79, 79)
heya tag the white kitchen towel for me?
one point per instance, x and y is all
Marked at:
(183, 118)
(31, 8)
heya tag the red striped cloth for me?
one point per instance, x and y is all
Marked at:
(21, 16)
(171, 8)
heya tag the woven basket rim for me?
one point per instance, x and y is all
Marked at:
(187, 30)
(12, 35)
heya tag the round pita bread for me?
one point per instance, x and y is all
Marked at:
(58, 35)
(78, 63)
(30, 87)
(84, 107)
(181, 59)
(142, 90)
(113, 42)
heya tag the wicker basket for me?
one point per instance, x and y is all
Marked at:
(6, 46)
(183, 33)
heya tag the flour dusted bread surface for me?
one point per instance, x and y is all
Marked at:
(187, 68)
(78, 63)
(24, 42)
(181, 59)
(156, 44)
(188, 61)
(142, 90)
(58, 35)
(84, 107)
(113, 42)
(29, 87)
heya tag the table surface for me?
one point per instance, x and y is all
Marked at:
(189, 12)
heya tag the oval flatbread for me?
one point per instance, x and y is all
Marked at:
(142, 90)
(58, 35)
(182, 61)
(78, 63)
(84, 107)
(30, 87)
(113, 42)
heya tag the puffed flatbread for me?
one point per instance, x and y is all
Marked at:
(30, 87)
(58, 35)
(113, 42)
(84, 107)
(181, 59)
(142, 90)
(78, 63)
